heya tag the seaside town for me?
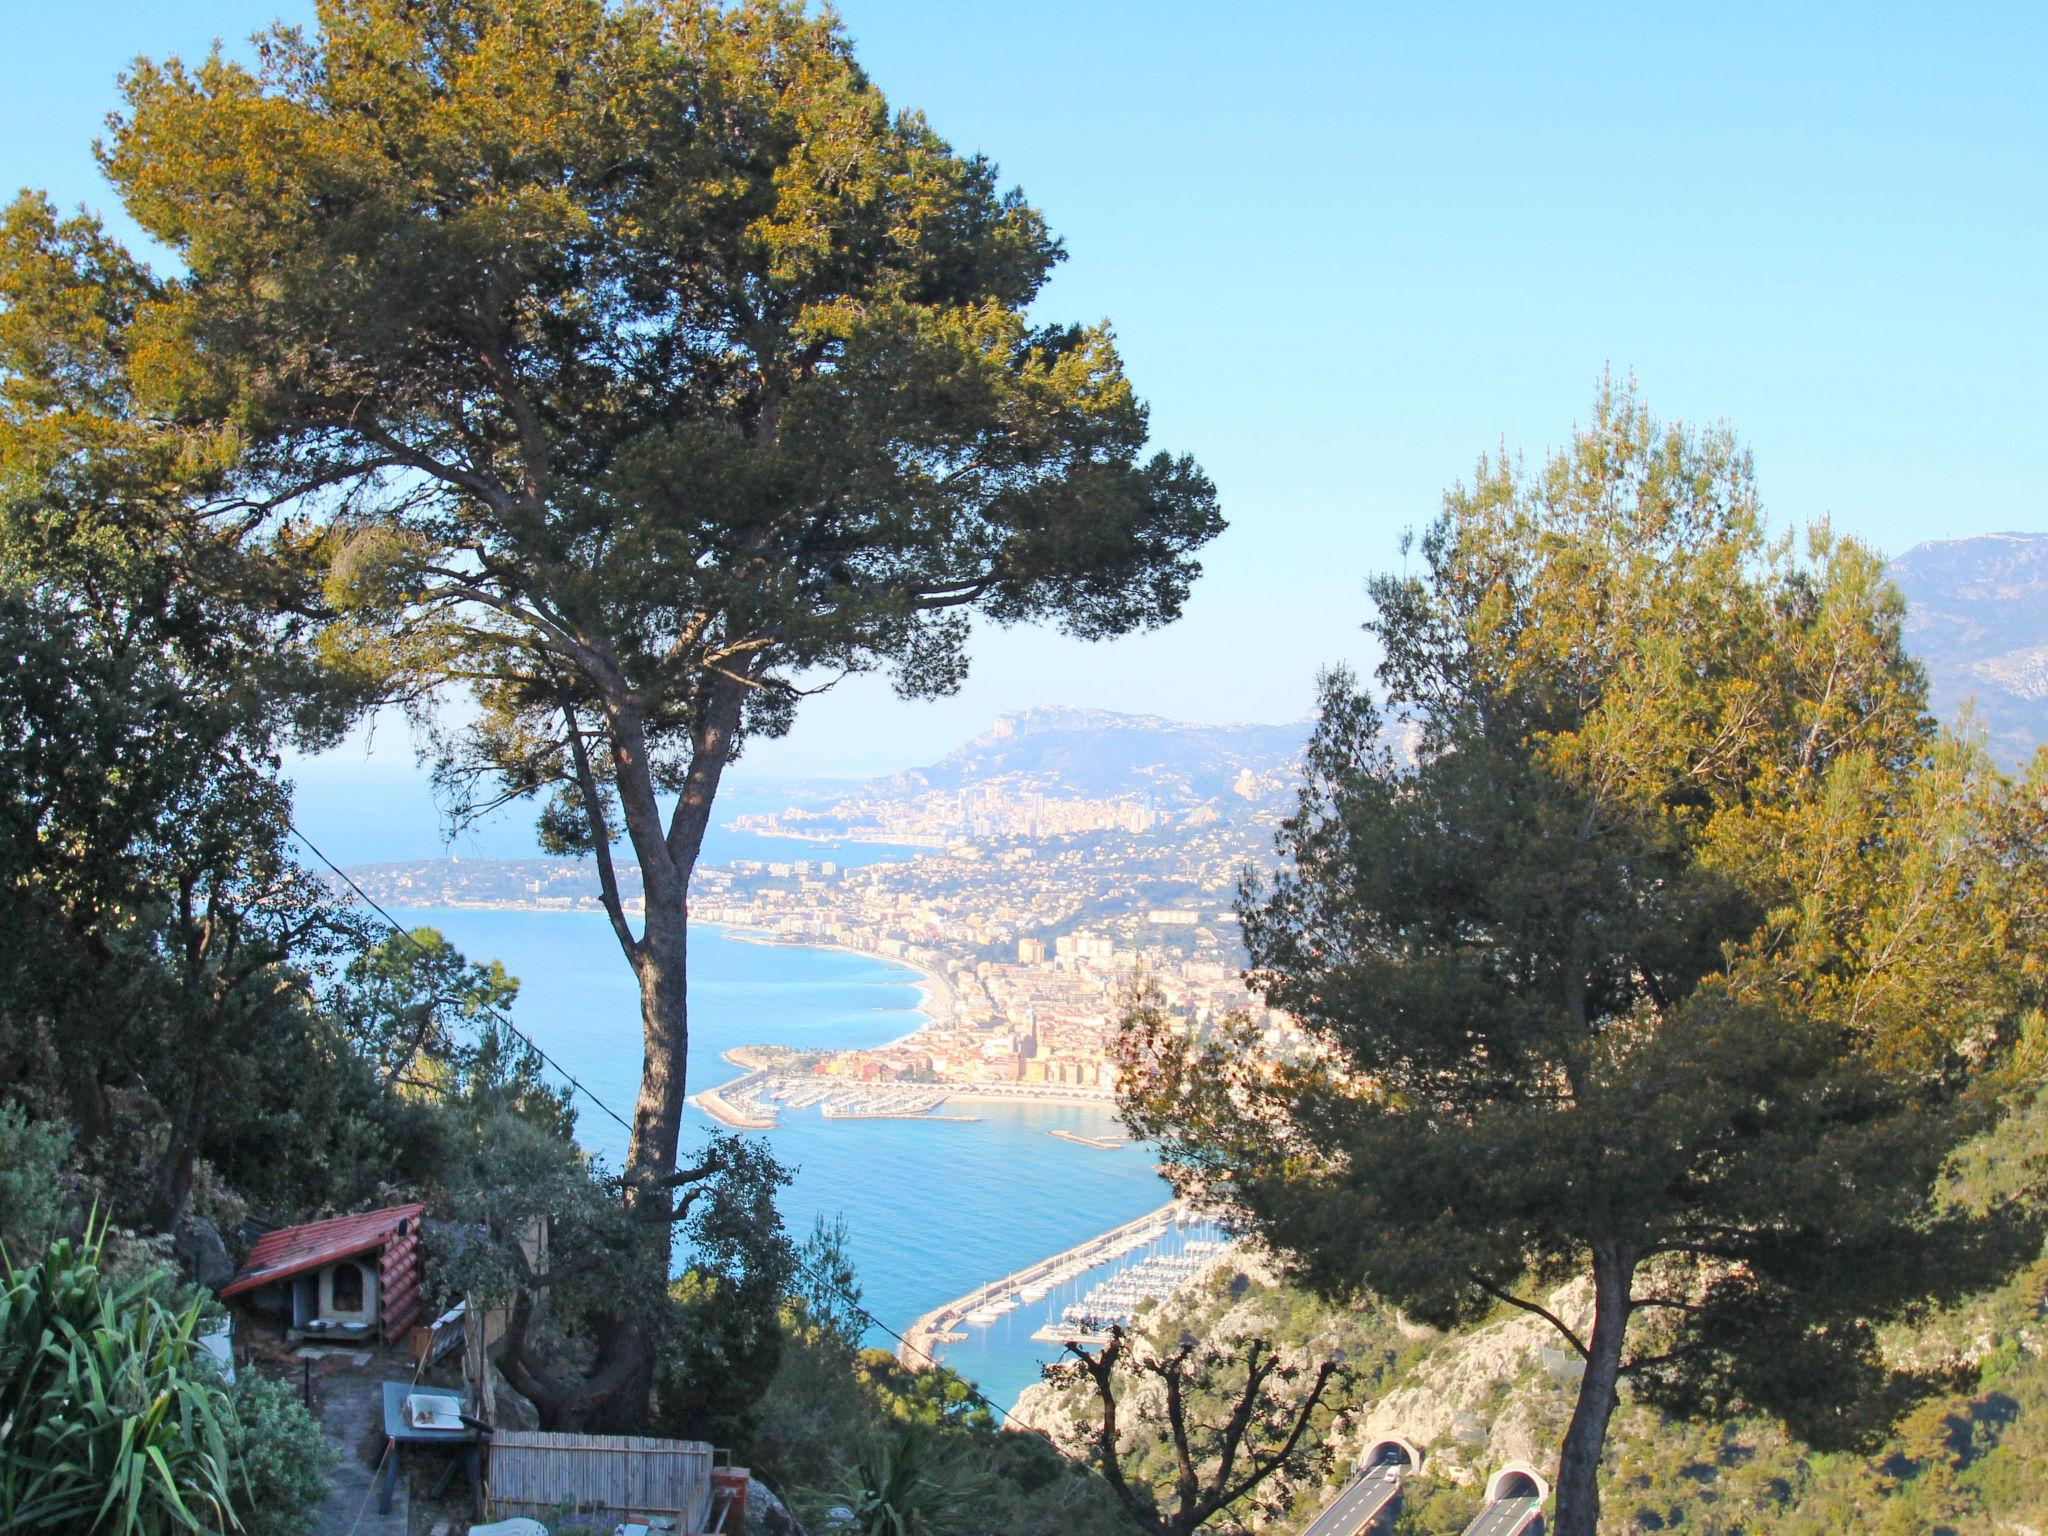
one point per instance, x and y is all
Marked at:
(1028, 922)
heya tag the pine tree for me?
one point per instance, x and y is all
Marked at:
(1679, 960)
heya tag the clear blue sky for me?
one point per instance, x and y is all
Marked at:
(1348, 247)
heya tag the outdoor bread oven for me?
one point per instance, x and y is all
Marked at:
(349, 1279)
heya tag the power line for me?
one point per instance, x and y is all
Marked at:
(853, 1302)
(406, 934)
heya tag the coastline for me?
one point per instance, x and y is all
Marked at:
(922, 842)
(934, 1007)
(932, 1211)
(714, 1103)
(935, 995)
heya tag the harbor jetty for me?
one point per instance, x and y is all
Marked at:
(1099, 1143)
(982, 1305)
(736, 1104)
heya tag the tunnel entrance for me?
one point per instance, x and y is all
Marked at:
(1517, 1480)
(1391, 1451)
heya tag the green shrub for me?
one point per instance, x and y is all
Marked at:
(32, 1195)
(910, 1484)
(114, 1421)
(284, 1458)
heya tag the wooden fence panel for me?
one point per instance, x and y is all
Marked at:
(535, 1472)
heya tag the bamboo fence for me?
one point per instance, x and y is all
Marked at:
(535, 1473)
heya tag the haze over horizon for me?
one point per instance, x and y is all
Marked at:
(1978, 619)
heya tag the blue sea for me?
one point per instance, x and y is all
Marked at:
(934, 1208)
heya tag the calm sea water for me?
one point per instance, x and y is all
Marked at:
(371, 813)
(934, 1208)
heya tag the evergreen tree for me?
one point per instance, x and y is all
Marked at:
(1680, 960)
(640, 371)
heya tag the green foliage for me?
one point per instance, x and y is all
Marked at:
(1966, 1462)
(1684, 956)
(153, 935)
(156, 938)
(282, 1457)
(826, 1409)
(828, 1286)
(910, 1484)
(634, 368)
(413, 1000)
(723, 1334)
(33, 1196)
(113, 1420)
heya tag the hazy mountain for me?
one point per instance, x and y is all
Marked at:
(1097, 752)
(1977, 616)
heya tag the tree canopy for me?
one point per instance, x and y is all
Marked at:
(636, 368)
(1680, 958)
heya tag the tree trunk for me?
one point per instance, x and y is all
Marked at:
(668, 858)
(660, 960)
(1578, 1464)
(610, 1398)
(663, 968)
(172, 1187)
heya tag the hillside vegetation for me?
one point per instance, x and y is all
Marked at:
(1972, 1461)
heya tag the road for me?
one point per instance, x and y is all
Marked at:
(1505, 1517)
(1362, 1500)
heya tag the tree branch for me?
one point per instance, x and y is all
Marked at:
(1266, 1466)
(1545, 1313)
(600, 834)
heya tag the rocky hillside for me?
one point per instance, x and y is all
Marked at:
(1099, 752)
(1978, 617)
(1973, 1463)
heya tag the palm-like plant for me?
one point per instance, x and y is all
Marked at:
(112, 1421)
(909, 1486)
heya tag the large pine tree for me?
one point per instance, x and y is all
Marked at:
(638, 370)
(1679, 959)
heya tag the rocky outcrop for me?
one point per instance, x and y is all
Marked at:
(513, 1411)
(1472, 1400)
(201, 1254)
(1977, 616)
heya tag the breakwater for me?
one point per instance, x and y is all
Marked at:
(1099, 1143)
(922, 1339)
(734, 1104)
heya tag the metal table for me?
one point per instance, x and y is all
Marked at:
(398, 1435)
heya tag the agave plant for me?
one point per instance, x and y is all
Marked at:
(908, 1486)
(112, 1421)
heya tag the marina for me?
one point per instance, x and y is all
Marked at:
(1177, 1244)
(755, 1101)
(1116, 1301)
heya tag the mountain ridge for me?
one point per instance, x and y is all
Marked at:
(1977, 618)
(1107, 753)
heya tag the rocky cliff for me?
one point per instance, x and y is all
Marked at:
(1977, 615)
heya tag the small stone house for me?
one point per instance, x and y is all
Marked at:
(345, 1280)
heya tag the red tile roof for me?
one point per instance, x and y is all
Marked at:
(294, 1250)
